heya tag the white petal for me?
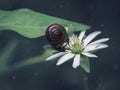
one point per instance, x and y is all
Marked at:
(95, 47)
(90, 37)
(81, 35)
(65, 58)
(55, 56)
(71, 40)
(99, 41)
(76, 61)
(89, 54)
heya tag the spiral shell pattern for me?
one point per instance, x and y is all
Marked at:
(57, 36)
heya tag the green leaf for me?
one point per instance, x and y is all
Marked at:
(84, 63)
(33, 24)
(5, 56)
(48, 51)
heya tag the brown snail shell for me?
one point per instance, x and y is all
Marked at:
(57, 36)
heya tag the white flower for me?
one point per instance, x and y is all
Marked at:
(78, 46)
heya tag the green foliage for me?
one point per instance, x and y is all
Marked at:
(85, 64)
(47, 51)
(6, 55)
(33, 24)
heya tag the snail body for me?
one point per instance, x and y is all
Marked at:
(57, 36)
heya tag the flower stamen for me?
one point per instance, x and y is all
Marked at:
(74, 45)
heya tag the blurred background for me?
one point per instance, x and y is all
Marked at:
(102, 15)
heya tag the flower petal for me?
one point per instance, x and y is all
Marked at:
(90, 37)
(89, 54)
(81, 35)
(95, 47)
(99, 41)
(71, 40)
(55, 56)
(65, 58)
(76, 61)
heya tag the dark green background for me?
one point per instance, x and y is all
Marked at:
(102, 15)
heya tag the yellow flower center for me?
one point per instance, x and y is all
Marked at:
(74, 45)
(76, 48)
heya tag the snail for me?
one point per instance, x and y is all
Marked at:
(57, 36)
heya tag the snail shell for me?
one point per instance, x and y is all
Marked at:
(57, 36)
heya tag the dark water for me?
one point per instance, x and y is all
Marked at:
(102, 15)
